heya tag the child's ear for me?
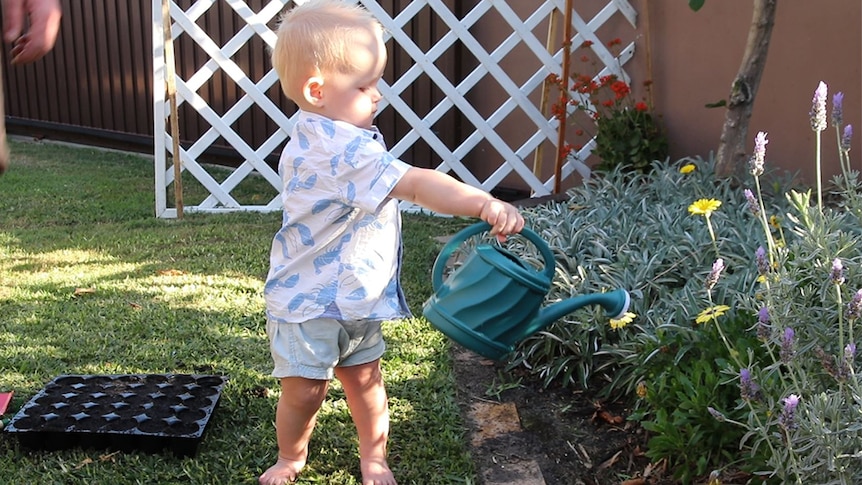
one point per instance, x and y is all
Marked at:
(312, 91)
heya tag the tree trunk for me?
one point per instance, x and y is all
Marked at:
(731, 154)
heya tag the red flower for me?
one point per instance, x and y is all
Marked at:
(605, 80)
(557, 111)
(620, 88)
(579, 132)
(588, 87)
(614, 42)
(641, 106)
(608, 104)
(585, 59)
(586, 43)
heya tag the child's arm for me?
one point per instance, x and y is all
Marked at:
(441, 193)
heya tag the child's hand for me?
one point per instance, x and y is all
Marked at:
(503, 217)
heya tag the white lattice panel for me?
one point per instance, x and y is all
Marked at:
(520, 99)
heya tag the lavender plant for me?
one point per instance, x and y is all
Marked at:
(735, 341)
(802, 395)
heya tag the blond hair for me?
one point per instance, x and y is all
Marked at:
(315, 38)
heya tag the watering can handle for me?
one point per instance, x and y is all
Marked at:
(461, 236)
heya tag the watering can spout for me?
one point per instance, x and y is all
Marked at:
(615, 304)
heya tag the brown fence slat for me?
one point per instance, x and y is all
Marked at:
(100, 79)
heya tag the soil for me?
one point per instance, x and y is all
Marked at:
(568, 437)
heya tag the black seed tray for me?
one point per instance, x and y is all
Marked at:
(145, 412)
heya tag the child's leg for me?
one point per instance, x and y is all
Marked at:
(295, 416)
(366, 397)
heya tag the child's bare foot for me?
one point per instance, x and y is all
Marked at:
(283, 472)
(376, 472)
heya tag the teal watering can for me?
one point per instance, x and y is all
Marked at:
(494, 299)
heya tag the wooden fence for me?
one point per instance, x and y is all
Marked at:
(97, 85)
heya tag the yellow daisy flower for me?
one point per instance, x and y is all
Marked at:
(687, 168)
(618, 323)
(711, 313)
(704, 207)
(775, 221)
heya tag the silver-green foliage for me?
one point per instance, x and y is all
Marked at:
(633, 231)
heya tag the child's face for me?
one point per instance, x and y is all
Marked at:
(353, 97)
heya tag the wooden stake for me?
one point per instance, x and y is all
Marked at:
(171, 81)
(564, 95)
(546, 87)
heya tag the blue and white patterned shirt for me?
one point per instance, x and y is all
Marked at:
(338, 251)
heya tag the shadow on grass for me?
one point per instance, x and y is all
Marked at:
(92, 283)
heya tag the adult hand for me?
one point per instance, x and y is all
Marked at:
(43, 17)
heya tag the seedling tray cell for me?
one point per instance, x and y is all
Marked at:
(129, 412)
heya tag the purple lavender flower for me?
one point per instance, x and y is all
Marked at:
(762, 263)
(837, 273)
(854, 307)
(818, 108)
(837, 109)
(789, 412)
(748, 389)
(763, 330)
(716, 414)
(757, 160)
(846, 138)
(847, 362)
(713, 276)
(787, 352)
(753, 205)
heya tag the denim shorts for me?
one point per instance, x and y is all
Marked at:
(313, 349)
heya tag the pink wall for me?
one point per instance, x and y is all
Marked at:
(692, 59)
(696, 55)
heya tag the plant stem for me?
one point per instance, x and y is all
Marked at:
(770, 243)
(733, 353)
(712, 236)
(819, 174)
(842, 156)
(841, 320)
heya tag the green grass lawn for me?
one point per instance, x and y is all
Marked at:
(92, 283)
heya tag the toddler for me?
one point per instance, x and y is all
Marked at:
(335, 261)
